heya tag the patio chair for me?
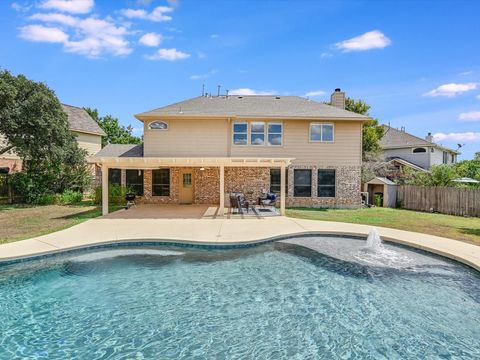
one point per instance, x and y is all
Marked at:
(237, 201)
(268, 199)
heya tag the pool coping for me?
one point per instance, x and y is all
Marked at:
(103, 233)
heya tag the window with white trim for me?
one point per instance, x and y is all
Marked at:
(257, 133)
(240, 133)
(321, 132)
(419, 150)
(275, 134)
(158, 125)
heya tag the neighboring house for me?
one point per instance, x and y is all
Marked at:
(198, 150)
(404, 149)
(88, 134)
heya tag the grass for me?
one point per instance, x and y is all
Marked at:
(19, 222)
(454, 227)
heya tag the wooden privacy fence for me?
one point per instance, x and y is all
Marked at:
(445, 200)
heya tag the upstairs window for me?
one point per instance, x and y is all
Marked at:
(158, 125)
(257, 133)
(240, 133)
(419, 150)
(445, 157)
(326, 183)
(161, 182)
(275, 134)
(321, 132)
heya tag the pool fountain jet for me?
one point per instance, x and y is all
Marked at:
(374, 242)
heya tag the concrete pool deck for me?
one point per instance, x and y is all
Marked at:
(221, 231)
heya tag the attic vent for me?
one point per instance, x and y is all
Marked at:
(277, 97)
(240, 97)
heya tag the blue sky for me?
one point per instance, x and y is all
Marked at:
(417, 63)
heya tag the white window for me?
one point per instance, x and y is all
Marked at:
(321, 132)
(240, 133)
(275, 134)
(158, 125)
(257, 133)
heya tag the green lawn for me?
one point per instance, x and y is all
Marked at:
(18, 222)
(454, 227)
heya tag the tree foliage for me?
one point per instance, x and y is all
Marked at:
(34, 125)
(116, 133)
(372, 131)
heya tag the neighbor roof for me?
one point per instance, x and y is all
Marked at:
(121, 150)
(80, 120)
(394, 139)
(256, 106)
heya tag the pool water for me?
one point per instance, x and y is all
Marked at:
(275, 301)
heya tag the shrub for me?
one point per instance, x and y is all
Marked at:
(70, 197)
(44, 199)
(116, 194)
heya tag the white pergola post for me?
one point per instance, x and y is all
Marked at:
(221, 209)
(282, 190)
(104, 189)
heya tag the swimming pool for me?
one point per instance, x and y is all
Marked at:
(304, 298)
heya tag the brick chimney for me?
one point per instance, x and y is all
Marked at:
(429, 137)
(338, 99)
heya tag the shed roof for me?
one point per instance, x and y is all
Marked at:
(79, 120)
(256, 106)
(380, 181)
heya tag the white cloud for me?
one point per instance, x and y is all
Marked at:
(465, 73)
(41, 33)
(20, 8)
(465, 136)
(56, 18)
(326, 55)
(452, 89)
(247, 91)
(157, 15)
(470, 116)
(203, 76)
(150, 39)
(370, 40)
(90, 36)
(478, 97)
(315, 93)
(168, 54)
(70, 6)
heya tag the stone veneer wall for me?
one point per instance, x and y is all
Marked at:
(252, 181)
(249, 180)
(348, 179)
(206, 186)
(148, 197)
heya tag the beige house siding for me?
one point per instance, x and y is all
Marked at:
(187, 138)
(9, 154)
(90, 142)
(213, 138)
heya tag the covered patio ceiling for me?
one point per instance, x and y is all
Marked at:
(155, 162)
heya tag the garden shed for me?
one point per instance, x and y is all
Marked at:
(381, 192)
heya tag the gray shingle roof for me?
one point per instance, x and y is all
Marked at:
(121, 150)
(253, 106)
(394, 138)
(80, 120)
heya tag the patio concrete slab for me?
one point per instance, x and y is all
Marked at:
(227, 230)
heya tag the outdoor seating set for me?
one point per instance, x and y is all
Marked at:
(239, 203)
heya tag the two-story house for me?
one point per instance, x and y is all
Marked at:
(198, 150)
(87, 132)
(405, 149)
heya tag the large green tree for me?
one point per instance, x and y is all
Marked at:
(372, 131)
(33, 124)
(116, 133)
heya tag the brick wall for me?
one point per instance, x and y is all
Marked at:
(248, 180)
